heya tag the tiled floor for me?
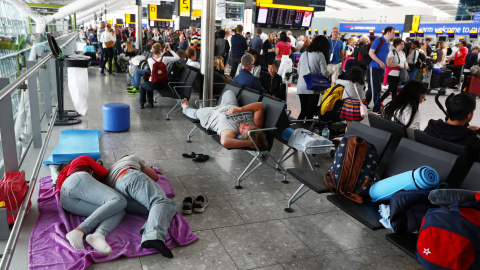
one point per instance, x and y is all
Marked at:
(240, 229)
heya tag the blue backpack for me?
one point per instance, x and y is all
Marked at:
(450, 237)
(353, 170)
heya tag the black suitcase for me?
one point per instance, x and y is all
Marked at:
(436, 80)
(446, 73)
(449, 82)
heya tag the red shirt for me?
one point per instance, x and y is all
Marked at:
(460, 60)
(99, 170)
(283, 49)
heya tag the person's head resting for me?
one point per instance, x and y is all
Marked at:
(182, 55)
(351, 41)
(157, 48)
(150, 42)
(239, 29)
(289, 33)
(398, 44)
(259, 31)
(283, 37)
(191, 54)
(273, 67)
(271, 37)
(193, 30)
(258, 137)
(412, 94)
(247, 61)
(219, 63)
(320, 44)
(428, 40)
(460, 108)
(389, 32)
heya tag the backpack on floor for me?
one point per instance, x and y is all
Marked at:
(353, 170)
(159, 72)
(450, 237)
(13, 189)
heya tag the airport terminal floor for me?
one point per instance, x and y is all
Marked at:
(241, 228)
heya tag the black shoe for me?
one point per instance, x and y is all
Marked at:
(103, 74)
(111, 73)
(150, 105)
(142, 105)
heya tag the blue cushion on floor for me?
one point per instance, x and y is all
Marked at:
(116, 117)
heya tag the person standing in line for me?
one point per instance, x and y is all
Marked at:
(378, 52)
(238, 48)
(336, 55)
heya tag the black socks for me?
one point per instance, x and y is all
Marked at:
(160, 246)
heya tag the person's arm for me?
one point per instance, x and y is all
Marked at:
(342, 56)
(150, 173)
(228, 139)
(372, 54)
(99, 170)
(390, 62)
(256, 108)
(323, 65)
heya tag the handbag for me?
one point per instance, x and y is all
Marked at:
(403, 75)
(109, 44)
(363, 108)
(315, 82)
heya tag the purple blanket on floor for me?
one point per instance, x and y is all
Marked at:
(49, 249)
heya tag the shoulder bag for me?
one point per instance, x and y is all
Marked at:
(363, 108)
(315, 82)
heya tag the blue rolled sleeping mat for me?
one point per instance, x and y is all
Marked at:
(423, 178)
(287, 133)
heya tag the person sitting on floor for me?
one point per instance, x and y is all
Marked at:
(229, 121)
(456, 129)
(83, 193)
(132, 178)
(246, 78)
(272, 82)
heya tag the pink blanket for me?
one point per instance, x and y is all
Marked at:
(49, 249)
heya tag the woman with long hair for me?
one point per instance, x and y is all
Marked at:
(307, 41)
(317, 60)
(108, 40)
(442, 53)
(124, 58)
(403, 108)
(283, 47)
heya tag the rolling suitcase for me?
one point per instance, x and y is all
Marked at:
(473, 85)
(449, 82)
(446, 73)
(436, 80)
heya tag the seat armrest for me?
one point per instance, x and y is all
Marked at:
(258, 130)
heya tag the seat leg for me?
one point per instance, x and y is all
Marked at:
(155, 98)
(279, 167)
(283, 158)
(245, 174)
(308, 160)
(192, 133)
(295, 198)
(174, 109)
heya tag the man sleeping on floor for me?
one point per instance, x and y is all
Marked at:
(229, 121)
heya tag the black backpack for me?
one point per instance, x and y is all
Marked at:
(363, 55)
(421, 60)
(174, 69)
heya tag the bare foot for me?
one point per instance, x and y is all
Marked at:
(184, 103)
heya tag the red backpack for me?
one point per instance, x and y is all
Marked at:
(159, 72)
(13, 189)
(450, 237)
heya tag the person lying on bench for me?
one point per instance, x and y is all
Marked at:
(229, 120)
(456, 129)
(131, 177)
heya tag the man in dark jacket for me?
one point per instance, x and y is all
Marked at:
(245, 77)
(239, 46)
(272, 82)
(460, 110)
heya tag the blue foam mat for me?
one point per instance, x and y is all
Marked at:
(74, 143)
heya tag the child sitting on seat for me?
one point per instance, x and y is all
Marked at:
(272, 82)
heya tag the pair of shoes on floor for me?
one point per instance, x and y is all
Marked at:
(142, 105)
(196, 157)
(133, 90)
(192, 204)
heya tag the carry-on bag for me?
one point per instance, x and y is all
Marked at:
(13, 189)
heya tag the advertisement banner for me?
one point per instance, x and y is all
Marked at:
(366, 27)
(459, 28)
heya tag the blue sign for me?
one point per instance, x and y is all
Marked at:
(476, 18)
(366, 27)
(459, 28)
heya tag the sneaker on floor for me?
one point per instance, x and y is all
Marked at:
(187, 205)
(200, 203)
(131, 88)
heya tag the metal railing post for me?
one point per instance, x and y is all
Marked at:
(7, 131)
(34, 107)
(47, 88)
(53, 78)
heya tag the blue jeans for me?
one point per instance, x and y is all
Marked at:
(102, 55)
(375, 86)
(83, 195)
(412, 74)
(143, 193)
(137, 76)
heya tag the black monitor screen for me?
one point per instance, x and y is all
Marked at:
(473, 35)
(442, 38)
(281, 17)
(421, 34)
(413, 35)
(165, 12)
(397, 34)
(272, 16)
(290, 17)
(451, 35)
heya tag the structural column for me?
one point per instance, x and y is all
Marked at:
(138, 26)
(208, 46)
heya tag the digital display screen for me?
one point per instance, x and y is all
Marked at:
(262, 15)
(297, 22)
(272, 16)
(397, 34)
(451, 35)
(413, 35)
(307, 19)
(442, 38)
(473, 35)
(165, 12)
(421, 34)
(290, 17)
(281, 16)
(162, 24)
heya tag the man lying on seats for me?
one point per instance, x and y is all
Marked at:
(229, 120)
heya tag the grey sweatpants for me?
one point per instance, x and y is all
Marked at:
(203, 114)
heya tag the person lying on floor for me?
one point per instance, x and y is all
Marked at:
(133, 179)
(229, 121)
(83, 193)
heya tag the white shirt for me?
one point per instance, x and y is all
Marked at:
(398, 58)
(165, 60)
(405, 117)
(293, 41)
(264, 37)
(194, 64)
(106, 36)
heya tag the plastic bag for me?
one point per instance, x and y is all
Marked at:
(437, 65)
(78, 87)
(285, 67)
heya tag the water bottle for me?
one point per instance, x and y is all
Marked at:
(326, 132)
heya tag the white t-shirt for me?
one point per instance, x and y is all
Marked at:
(404, 117)
(194, 64)
(398, 58)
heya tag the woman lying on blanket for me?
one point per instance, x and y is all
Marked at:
(229, 120)
(82, 193)
(133, 179)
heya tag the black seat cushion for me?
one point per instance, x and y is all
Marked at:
(404, 241)
(207, 131)
(366, 212)
(311, 179)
